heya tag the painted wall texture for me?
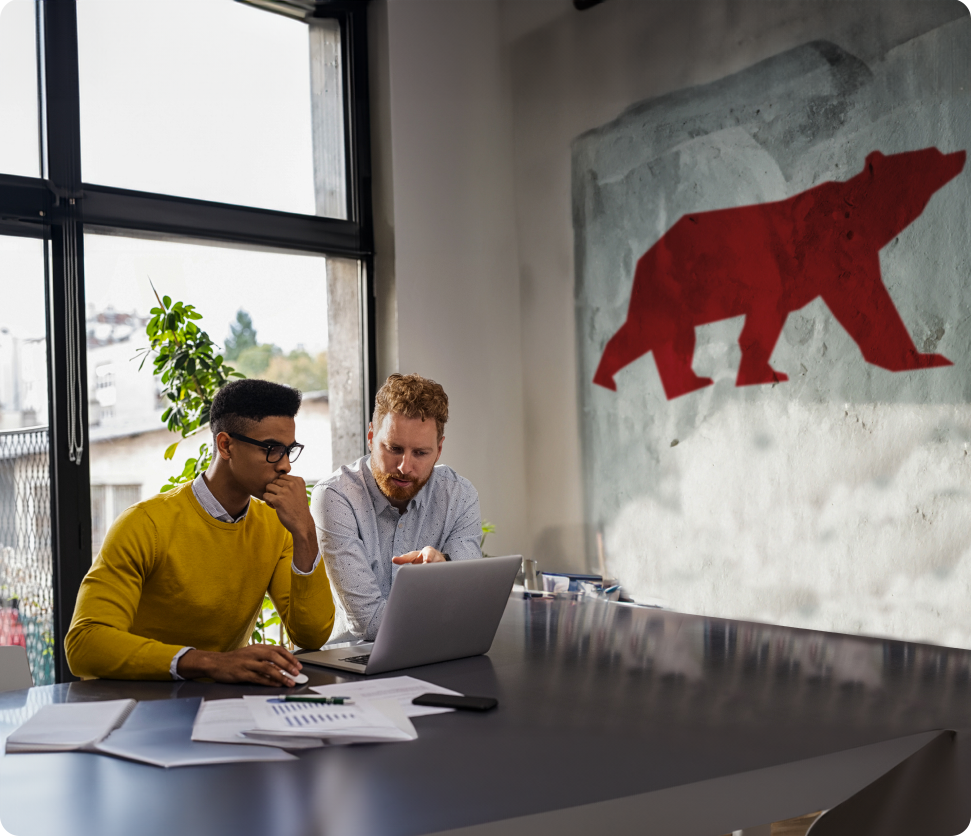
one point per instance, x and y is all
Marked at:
(446, 237)
(774, 500)
(773, 338)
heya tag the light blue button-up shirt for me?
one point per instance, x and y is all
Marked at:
(359, 531)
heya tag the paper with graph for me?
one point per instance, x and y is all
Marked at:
(374, 721)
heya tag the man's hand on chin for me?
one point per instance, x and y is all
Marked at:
(426, 555)
(287, 495)
(257, 664)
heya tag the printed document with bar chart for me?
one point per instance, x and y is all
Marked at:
(374, 721)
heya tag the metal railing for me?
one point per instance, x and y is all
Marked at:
(26, 585)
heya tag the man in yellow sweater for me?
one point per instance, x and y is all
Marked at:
(180, 579)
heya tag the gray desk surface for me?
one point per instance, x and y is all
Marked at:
(611, 718)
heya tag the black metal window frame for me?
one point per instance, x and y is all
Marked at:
(58, 206)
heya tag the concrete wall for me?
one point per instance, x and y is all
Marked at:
(447, 238)
(482, 102)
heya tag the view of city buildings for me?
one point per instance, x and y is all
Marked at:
(26, 615)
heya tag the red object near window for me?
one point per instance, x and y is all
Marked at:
(11, 629)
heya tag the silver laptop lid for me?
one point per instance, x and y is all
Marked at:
(441, 611)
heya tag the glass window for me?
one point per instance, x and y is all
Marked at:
(26, 593)
(107, 503)
(19, 154)
(23, 334)
(181, 100)
(268, 312)
(206, 99)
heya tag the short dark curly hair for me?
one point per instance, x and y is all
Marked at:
(242, 402)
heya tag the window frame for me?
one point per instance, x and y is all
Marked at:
(59, 206)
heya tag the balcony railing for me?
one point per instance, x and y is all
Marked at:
(26, 588)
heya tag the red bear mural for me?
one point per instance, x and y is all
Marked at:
(766, 260)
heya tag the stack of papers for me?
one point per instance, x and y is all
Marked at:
(225, 721)
(269, 720)
(374, 721)
(380, 713)
(190, 731)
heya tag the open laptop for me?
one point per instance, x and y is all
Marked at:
(435, 612)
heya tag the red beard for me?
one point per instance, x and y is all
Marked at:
(393, 492)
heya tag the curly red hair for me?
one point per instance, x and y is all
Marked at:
(413, 397)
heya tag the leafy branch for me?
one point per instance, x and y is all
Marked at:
(261, 629)
(190, 370)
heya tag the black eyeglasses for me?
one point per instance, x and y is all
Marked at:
(275, 450)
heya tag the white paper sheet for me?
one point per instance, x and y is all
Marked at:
(224, 720)
(402, 688)
(361, 722)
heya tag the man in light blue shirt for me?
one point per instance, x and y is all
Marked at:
(394, 506)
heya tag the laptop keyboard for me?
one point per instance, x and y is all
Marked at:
(362, 659)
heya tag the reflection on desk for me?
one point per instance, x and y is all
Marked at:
(611, 718)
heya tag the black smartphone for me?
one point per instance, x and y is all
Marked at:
(459, 702)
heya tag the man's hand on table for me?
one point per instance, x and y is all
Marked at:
(252, 665)
(426, 555)
(287, 496)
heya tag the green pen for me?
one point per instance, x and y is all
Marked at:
(319, 699)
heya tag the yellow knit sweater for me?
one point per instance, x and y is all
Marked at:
(170, 575)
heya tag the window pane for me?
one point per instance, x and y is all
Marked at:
(26, 594)
(19, 154)
(276, 306)
(204, 99)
